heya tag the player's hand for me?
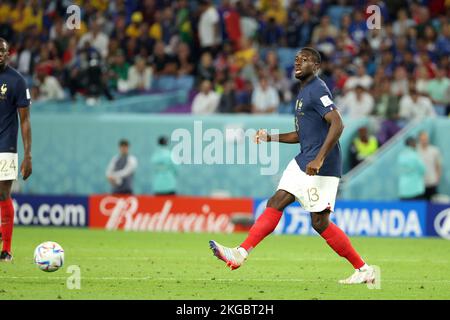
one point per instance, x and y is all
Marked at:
(313, 167)
(261, 135)
(26, 168)
(112, 181)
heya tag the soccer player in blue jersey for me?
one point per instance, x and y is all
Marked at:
(312, 177)
(14, 102)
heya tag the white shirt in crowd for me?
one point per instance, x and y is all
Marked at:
(205, 103)
(364, 81)
(206, 27)
(99, 42)
(50, 89)
(137, 80)
(431, 156)
(262, 100)
(418, 110)
(354, 108)
(23, 65)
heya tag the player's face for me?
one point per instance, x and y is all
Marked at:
(305, 66)
(4, 51)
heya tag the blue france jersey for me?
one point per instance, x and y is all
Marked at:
(14, 94)
(313, 102)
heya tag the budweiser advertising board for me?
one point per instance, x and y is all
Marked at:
(172, 213)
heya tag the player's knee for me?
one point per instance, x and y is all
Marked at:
(4, 196)
(319, 223)
(276, 202)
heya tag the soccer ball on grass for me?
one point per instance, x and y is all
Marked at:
(49, 256)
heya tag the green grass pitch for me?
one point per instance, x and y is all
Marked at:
(134, 265)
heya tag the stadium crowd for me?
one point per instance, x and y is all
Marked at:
(233, 51)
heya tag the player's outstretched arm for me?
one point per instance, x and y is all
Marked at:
(25, 126)
(334, 132)
(262, 135)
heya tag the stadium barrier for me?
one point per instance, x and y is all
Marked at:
(200, 214)
(57, 211)
(171, 213)
(81, 146)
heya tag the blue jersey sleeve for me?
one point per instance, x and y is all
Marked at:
(322, 100)
(22, 96)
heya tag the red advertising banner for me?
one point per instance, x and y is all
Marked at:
(171, 213)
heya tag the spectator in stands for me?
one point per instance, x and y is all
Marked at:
(400, 84)
(183, 22)
(185, 64)
(414, 107)
(431, 157)
(422, 80)
(386, 111)
(134, 29)
(277, 11)
(358, 28)
(48, 86)
(25, 60)
(265, 98)
(139, 76)
(443, 41)
(411, 170)
(244, 98)
(209, 27)
(231, 23)
(96, 37)
(246, 53)
(270, 33)
(206, 101)
(119, 72)
(164, 171)
(163, 63)
(325, 28)
(363, 146)
(248, 22)
(228, 99)
(357, 103)
(360, 78)
(438, 90)
(93, 75)
(205, 70)
(403, 23)
(305, 29)
(121, 169)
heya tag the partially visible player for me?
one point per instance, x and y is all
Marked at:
(312, 177)
(14, 102)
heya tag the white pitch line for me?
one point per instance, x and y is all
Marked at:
(263, 259)
(209, 279)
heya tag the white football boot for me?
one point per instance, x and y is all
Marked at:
(365, 274)
(231, 256)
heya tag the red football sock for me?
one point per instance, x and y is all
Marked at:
(264, 225)
(340, 243)
(7, 218)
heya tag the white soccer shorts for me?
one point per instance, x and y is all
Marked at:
(8, 166)
(314, 193)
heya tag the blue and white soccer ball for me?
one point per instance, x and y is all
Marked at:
(49, 256)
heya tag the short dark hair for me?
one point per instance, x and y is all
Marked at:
(123, 142)
(162, 141)
(314, 53)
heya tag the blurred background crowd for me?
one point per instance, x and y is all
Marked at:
(237, 56)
